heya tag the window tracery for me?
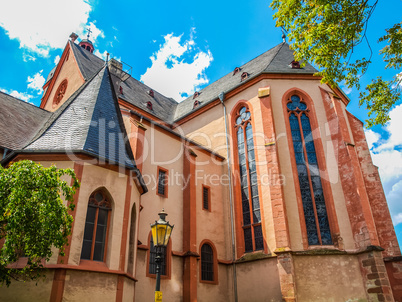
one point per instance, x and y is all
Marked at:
(250, 204)
(312, 195)
(96, 227)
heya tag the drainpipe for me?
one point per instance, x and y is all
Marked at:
(221, 98)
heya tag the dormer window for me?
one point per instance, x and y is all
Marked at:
(196, 94)
(244, 76)
(149, 105)
(236, 70)
(196, 104)
(121, 90)
(295, 65)
(151, 93)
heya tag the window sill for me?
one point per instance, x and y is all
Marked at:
(153, 276)
(93, 264)
(209, 282)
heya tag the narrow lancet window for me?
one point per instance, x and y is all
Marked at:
(252, 229)
(312, 195)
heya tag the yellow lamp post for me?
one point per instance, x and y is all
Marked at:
(161, 231)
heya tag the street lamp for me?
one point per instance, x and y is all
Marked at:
(161, 231)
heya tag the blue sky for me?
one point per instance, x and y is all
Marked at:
(177, 47)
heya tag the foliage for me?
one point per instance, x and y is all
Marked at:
(33, 217)
(327, 34)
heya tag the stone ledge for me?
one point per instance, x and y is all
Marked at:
(254, 257)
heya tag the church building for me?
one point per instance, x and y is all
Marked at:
(265, 175)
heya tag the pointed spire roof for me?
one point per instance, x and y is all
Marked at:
(89, 122)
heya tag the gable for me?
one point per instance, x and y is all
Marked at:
(66, 80)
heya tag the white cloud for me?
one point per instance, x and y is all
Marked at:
(50, 23)
(27, 57)
(170, 74)
(57, 60)
(394, 127)
(389, 163)
(394, 201)
(371, 137)
(388, 157)
(397, 219)
(347, 90)
(19, 95)
(36, 82)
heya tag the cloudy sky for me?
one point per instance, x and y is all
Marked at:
(178, 47)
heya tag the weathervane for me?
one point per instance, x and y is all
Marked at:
(89, 32)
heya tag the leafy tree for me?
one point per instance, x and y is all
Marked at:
(33, 217)
(327, 34)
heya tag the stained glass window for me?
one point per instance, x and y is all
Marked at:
(315, 213)
(250, 203)
(207, 263)
(96, 224)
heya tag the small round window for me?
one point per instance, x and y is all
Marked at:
(61, 90)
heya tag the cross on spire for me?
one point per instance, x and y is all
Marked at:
(89, 32)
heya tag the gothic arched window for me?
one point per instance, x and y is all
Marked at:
(312, 195)
(250, 203)
(96, 227)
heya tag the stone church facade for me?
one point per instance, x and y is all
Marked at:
(266, 176)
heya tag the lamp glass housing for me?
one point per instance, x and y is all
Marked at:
(161, 231)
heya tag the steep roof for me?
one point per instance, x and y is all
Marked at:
(89, 121)
(19, 121)
(137, 94)
(88, 63)
(275, 60)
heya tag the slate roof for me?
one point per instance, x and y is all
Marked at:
(88, 63)
(275, 60)
(89, 121)
(137, 93)
(19, 121)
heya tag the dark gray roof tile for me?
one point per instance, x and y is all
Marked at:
(88, 63)
(88, 121)
(19, 121)
(275, 60)
(137, 93)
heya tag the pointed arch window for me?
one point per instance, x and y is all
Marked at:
(312, 195)
(250, 202)
(96, 227)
